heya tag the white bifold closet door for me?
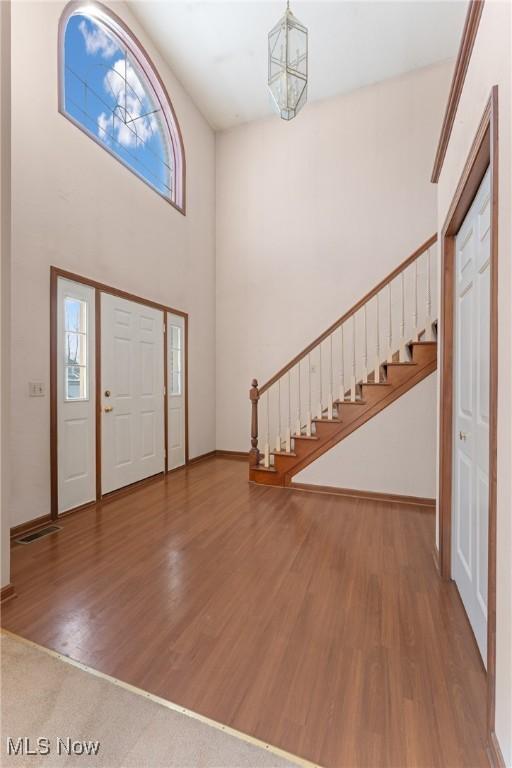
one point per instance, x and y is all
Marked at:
(470, 516)
(132, 392)
(76, 448)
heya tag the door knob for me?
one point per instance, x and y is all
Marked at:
(108, 408)
(462, 435)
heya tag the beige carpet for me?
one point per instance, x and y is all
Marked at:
(44, 696)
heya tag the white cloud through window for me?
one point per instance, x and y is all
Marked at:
(132, 122)
(97, 41)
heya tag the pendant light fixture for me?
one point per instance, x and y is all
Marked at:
(288, 65)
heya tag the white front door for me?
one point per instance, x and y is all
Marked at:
(132, 392)
(75, 395)
(176, 389)
(471, 412)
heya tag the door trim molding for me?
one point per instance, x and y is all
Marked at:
(97, 383)
(466, 44)
(55, 274)
(166, 398)
(483, 153)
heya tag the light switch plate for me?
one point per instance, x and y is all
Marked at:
(36, 389)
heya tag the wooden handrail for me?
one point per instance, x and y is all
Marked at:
(409, 260)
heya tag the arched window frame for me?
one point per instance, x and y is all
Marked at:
(116, 26)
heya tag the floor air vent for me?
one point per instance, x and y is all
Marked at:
(30, 537)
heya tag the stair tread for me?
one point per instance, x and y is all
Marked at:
(377, 384)
(283, 453)
(262, 468)
(305, 437)
(350, 402)
(334, 420)
(397, 362)
(423, 343)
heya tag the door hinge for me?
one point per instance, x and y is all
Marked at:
(165, 390)
(164, 327)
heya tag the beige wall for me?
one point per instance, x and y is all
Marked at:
(395, 452)
(76, 207)
(5, 268)
(490, 65)
(310, 215)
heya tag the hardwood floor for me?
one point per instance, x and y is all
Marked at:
(317, 623)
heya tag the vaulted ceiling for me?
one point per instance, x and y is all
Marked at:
(218, 50)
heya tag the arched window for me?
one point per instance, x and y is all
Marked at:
(110, 88)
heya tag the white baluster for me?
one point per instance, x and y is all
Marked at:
(403, 353)
(353, 380)
(390, 327)
(329, 403)
(376, 373)
(342, 369)
(278, 436)
(365, 352)
(429, 333)
(308, 420)
(320, 398)
(288, 438)
(266, 450)
(298, 427)
(415, 313)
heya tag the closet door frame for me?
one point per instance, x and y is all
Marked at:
(482, 155)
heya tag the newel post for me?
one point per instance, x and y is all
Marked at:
(254, 395)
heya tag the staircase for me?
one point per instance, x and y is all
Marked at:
(330, 389)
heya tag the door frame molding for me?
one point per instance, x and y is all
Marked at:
(55, 274)
(483, 154)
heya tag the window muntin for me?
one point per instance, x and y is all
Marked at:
(111, 90)
(175, 360)
(76, 379)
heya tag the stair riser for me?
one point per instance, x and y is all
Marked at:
(266, 478)
(347, 413)
(284, 463)
(372, 395)
(302, 448)
(326, 430)
(424, 354)
(396, 375)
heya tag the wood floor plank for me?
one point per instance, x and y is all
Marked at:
(316, 623)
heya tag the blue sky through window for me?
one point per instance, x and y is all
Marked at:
(73, 315)
(106, 92)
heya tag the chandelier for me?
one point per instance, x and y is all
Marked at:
(288, 65)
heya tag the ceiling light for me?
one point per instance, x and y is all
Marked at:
(288, 65)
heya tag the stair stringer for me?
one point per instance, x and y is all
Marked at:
(400, 378)
(364, 415)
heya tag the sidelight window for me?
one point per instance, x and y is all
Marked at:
(175, 361)
(76, 383)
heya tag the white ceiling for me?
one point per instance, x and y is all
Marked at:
(218, 49)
